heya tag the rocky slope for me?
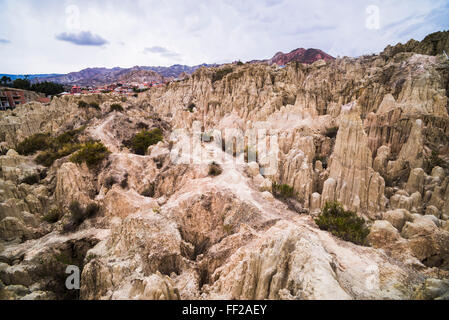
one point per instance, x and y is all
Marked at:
(358, 131)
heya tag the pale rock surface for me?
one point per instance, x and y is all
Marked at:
(354, 182)
(203, 237)
(73, 184)
(397, 217)
(416, 181)
(383, 233)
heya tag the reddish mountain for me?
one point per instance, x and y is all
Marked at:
(302, 55)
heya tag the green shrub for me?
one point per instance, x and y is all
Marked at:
(117, 107)
(83, 104)
(240, 63)
(79, 214)
(124, 183)
(53, 148)
(91, 210)
(142, 125)
(215, 169)
(220, 74)
(52, 216)
(36, 142)
(283, 191)
(343, 224)
(64, 258)
(332, 132)
(110, 181)
(48, 157)
(435, 160)
(31, 179)
(70, 136)
(227, 228)
(148, 192)
(92, 153)
(141, 141)
(94, 105)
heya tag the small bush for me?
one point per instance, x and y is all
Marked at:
(34, 143)
(227, 228)
(283, 191)
(31, 179)
(148, 192)
(240, 63)
(91, 210)
(142, 125)
(117, 107)
(94, 105)
(92, 153)
(215, 169)
(83, 104)
(64, 258)
(220, 74)
(52, 216)
(110, 181)
(332, 132)
(53, 148)
(48, 157)
(435, 161)
(43, 174)
(79, 214)
(124, 183)
(123, 99)
(343, 224)
(141, 141)
(69, 227)
(70, 136)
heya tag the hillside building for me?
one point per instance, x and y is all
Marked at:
(10, 98)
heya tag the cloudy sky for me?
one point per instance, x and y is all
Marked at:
(51, 36)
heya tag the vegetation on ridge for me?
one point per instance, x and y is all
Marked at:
(343, 224)
(92, 153)
(144, 139)
(52, 148)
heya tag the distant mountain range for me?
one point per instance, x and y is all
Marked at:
(30, 76)
(103, 76)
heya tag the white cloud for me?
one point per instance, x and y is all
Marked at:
(83, 38)
(198, 31)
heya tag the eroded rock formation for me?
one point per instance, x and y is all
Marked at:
(369, 132)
